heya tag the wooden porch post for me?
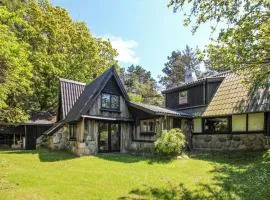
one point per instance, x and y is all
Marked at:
(82, 131)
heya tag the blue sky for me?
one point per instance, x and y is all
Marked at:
(144, 32)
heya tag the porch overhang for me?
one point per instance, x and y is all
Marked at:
(158, 111)
(107, 118)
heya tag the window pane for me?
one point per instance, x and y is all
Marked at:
(144, 125)
(115, 102)
(147, 125)
(216, 125)
(105, 101)
(182, 97)
(256, 122)
(151, 126)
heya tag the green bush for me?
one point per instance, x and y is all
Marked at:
(170, 143)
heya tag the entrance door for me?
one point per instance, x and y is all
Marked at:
(109, 137)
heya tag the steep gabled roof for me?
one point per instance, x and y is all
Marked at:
(69, 94)
(234, 97)
(91, 92)
(156, 110)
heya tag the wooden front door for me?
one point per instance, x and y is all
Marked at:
(109, 137)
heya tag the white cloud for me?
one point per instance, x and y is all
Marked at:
(125, 49)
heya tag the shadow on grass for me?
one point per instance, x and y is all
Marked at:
(44, 154)
(128, 158)
(236, 175)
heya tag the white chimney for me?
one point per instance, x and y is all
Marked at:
(190, 76)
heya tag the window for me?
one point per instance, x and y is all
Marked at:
(72, 131)
(147, 125)
(216, 125)
(183, 98)
(256, 122)
(109, 101)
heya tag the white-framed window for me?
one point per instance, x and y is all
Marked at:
(183, 97)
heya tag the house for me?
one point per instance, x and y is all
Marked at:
(24, 135)
(216, 113)
(99, 117)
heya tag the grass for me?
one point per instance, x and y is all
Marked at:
(45, 174)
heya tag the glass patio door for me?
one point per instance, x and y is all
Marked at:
(109, 137)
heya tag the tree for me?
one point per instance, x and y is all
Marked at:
(15, 76)
(140, 85)
(57, 47)
(244, 43)
(52, 45)
(178, 63)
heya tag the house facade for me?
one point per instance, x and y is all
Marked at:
(215, 113)
(99, 117)
(227, 113)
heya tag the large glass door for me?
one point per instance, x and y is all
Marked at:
(109, 137)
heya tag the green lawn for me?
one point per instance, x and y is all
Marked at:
(45, 174)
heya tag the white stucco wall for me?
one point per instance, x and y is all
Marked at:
(197, 123)
(239, 122)
(256, 121)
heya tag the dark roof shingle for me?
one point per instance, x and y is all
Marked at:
(158, 110)
(70, 92)
(90, 92)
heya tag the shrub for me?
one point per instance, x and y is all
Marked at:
(170, 143)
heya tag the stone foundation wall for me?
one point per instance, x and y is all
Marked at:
(60, 141)
(222, 142)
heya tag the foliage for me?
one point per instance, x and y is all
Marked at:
(140, 86)
(57, 47)
(243, 40)
(170, 143)
(15, 75)
(178, 63)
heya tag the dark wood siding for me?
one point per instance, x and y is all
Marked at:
(198, 95)
(32, 133)
(112, 87)
(211, 90)
(195, 98)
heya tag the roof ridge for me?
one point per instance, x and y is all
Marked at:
(218, 75)
(71, 81)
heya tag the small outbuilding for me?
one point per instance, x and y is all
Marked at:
(24, 135)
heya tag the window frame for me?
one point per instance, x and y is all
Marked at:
(110, 108)
(229, 125)
(148, 126)
(185, 98)
(72, 132)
